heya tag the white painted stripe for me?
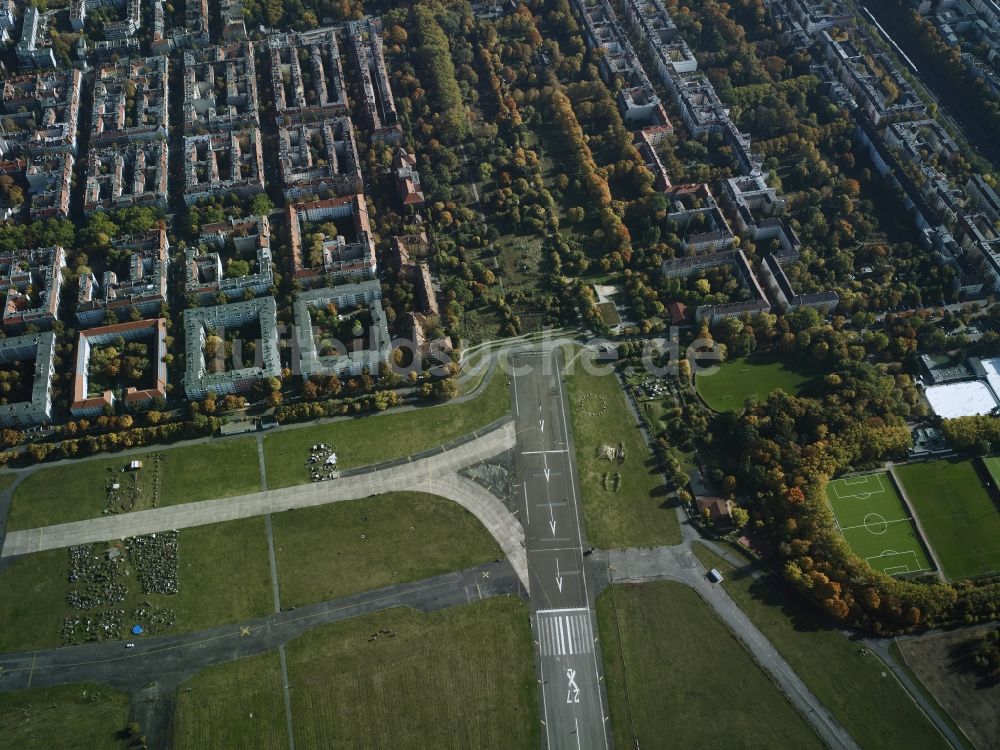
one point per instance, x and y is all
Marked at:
(566, 634)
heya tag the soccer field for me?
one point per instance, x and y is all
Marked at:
(957, 514)
(876, 525)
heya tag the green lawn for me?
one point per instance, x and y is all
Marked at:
(635, 514)
(993, 467)
(6, 480)
(609, 314)
(859, 690)
(687, 677)
(223, 576)
(654, 410)
(459, 678)
(958, 515)
(743, 377)
(186, 474)
(876, 525)
(343, 548)
(84, 716)
(370, 439)
(233, 705)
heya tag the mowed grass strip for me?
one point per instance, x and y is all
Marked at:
(6, 480)
(82, 716)
(992, 464)
(636, 514)
(374, 438)
(875, 523)
(739, 379)
(958, 515)
(858, 690)
(688, 677)
(343, 548)
(459, 678)
(223, 576)
(75, 491)
(238, 704)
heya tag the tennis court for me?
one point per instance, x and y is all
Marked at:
(875, 524)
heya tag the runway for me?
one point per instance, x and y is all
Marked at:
(566, 648)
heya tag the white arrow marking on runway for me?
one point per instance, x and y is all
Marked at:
(559, 579)
(541, 425)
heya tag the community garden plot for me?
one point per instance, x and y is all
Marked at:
(875, 524)
(957, 514)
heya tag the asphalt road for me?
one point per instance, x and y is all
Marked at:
(678, 563)
(156, 666)
(435, 473)
(564, 624)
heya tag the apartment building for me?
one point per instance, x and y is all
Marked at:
(33, 280)
(139, 285)
(318, 259)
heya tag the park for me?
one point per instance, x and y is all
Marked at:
(755, 376)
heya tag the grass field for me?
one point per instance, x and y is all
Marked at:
(459, 678)
(370, 439)
(957, 514)
(343, 548)
(859, 690)
(941, 663)
(993, 467)
(739, 379)
(84, 716)
(6, 480)
(636, 514)
(875, 523)
(688, 677)
(223, 576)
(233, 705)
(186, 474)
(609, 313)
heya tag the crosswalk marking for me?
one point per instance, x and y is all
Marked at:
(565, 632)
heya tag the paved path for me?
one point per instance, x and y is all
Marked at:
(881, 646)
(110, 662)
(261, 463)
(435, 474)
(678, 563)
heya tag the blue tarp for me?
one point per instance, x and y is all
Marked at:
(137, 630)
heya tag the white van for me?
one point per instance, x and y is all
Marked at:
(715, 576)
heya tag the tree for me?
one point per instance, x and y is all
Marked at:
(446, 389)
(740, 517)
(261, 205)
